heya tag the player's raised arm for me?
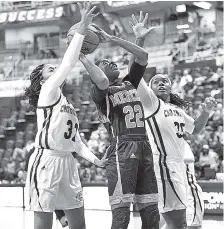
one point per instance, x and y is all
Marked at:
(140, 30)
(140, 53)
(96, 74)
(201, 121)
(72, 53)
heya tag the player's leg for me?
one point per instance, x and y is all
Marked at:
(76, 219)
(176, 219)
(70, 197)
(146, 197)
(121, 175)
(43, 220)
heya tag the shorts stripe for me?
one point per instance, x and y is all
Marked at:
(35, 178)
(160, 165)
(44, 123)
(31, 171)
(47, 128)
(192, 191)
(196, 189)
(165, 155)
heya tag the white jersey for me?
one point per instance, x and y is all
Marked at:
(166, 124)
(57, 126)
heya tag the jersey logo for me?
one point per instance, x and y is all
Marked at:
(122, 97)
(132, 156)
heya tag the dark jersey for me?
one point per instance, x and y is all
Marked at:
(119, 106)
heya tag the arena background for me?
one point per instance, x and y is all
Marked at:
(187, 44)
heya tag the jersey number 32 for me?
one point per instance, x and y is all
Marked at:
(69, 134)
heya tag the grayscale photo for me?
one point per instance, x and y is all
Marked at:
(111, 115)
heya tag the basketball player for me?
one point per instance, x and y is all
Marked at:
(166, 124)
(129, 169)
(195, 204)
(53, 179)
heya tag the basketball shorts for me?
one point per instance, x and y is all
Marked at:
(195, 206)
(130, 171)
(172, 181)
(53, 181)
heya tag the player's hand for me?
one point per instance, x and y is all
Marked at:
(82, 57)
(140, 27)
(209, 104)
(86, 12)
(100, 163)
(104, 37)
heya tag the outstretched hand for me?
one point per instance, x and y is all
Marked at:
(140, 28)
(104, 37)
(86, 12)
(209, 104)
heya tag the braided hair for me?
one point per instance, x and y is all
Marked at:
(176, 100)
(33, 91)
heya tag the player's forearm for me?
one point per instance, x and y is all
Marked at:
(137, 51)
(96, 74)
(140, 42)
(201, 122)
(83, 151)
(68, 62)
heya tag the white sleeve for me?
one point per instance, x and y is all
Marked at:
(50, 89)
(149, 100)
(189, 123)
(82, 150)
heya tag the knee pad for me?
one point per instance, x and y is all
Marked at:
(120, 218)
(150, 217)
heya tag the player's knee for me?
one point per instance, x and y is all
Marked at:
(121, 218)
(150, 217)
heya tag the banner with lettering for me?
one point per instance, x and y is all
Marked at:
(32, 15)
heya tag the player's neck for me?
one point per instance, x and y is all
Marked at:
(165, 98)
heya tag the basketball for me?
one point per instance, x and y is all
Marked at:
(91, 41)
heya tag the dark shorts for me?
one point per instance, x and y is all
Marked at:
(130, 171)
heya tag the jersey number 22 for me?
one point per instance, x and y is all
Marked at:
(133, 116)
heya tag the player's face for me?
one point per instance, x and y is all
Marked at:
(48, 71)
(161, 87)
(110, 69)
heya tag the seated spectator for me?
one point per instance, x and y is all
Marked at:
(208, 158)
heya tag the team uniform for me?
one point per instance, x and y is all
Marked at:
(53, 181)
(166, 125)
(195, 205)
(129, 169)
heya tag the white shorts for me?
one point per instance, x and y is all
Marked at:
(53, 181)
(171, 180)
(195, 207)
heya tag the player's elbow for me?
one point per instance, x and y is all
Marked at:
(145, 56)
(103, 84)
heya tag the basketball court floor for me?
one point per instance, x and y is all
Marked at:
(16, 218)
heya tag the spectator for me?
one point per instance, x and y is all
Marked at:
(208, 158)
